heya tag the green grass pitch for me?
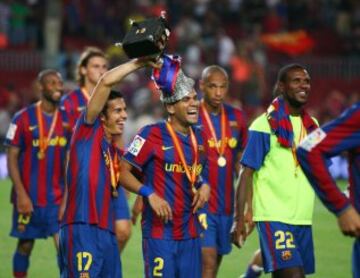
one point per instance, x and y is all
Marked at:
(332, 249)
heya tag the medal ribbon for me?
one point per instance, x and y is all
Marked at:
(293, 148)
(85, 93)
(44, 143)
(221, 149)
(191, 176)
(114, 167)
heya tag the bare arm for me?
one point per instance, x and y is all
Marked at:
(107, 81)
(237, 164)
(242, 194)
(248, 215)
(23, 201)
(131, 183)
(136, 209)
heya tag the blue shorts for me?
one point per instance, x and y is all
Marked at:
(42, 223)
(88, 251)
(172, 258)
(356, 259)
(216, 232)
(121, 206)
(285, 246)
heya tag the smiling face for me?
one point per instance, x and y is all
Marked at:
(214, 86)
(114, 116)
(52, 87)
(184, 112)
(295, 87)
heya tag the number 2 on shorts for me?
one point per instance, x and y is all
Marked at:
(159, 267)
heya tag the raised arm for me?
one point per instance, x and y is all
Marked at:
(107, 81)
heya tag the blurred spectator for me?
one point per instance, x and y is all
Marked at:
(225, 49)
(248, 79)
(187, 31)
(333, 106)
(273, 23)
(19, 14)
(4, 17)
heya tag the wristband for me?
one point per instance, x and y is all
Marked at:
(145, 191)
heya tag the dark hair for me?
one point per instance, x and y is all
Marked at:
(85, 57)
(283, 72)
(113, 95)
(42, 74)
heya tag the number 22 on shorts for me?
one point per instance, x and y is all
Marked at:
(284, 240)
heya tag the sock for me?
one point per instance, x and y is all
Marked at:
(253, 271)
(20, 265)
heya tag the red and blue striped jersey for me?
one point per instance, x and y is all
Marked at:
(88, 177)
(341, 134)
(152, 152)
(43, 179)
(221, 179)
(73, 104)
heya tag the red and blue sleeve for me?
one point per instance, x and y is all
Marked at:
(314, 152)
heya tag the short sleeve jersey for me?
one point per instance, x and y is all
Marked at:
(74, 103)
(88, 177)
(152, 152)
(43, 179)
(281, 190)
(221, 179)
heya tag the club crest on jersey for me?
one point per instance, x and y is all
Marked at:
(286, 255)
(313, 139)
(136, 145)
(11, 131)
(232, 142)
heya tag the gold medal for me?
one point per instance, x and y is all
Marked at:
(41, 155)
(114, 193)
(221, 161)
(232, 142)
(220, 145)
(44, 141)
(190, 173)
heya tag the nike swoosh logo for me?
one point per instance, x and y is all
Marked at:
(81, 108)
(165, 148)
(32, 127)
